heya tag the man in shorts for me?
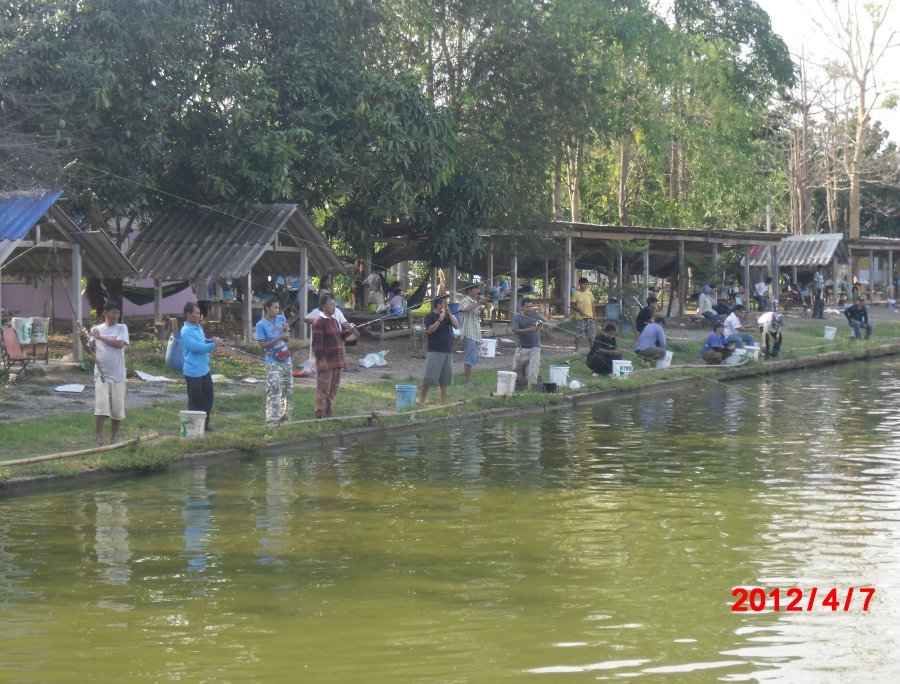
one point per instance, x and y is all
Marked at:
(470, 323)
(106, 342)
(582, 306)
(439, 357)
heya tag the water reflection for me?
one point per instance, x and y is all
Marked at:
(603, 541)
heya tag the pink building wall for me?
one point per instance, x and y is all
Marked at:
(34, 300)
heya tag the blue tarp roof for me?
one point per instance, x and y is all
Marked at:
(20, 211)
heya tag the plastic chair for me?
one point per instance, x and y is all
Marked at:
(12, 352)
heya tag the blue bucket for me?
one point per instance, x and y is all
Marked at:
(174, 352)
(406, 397)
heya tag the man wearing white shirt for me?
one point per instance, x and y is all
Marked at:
(106, 344)
(734, 325)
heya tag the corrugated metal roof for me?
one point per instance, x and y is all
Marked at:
(47, 249)
(804, 251)
(18, 214)
(207, 244)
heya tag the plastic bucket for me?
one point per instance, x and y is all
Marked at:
(22, 326)
(559, 375)
(666, 361)
(829, 332)
(752, 353)
(891, 303)
(506, 383)
(612, 311)
(40, 330)
(488, 347)
(174, 353)
(621, 369)
(192, 423)
(406, 397)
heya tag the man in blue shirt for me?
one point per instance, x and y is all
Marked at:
(651, 344)
(196, 348)
(714, 350)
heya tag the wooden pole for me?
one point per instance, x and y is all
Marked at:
(871, 294)
(302, 295)
(78, 314)
(80, 452)
(157, 300)
(567, 279)
(248, 306)
(746, 298)
(890, 274)
(513, 290)
(715, 264)
(646, 258)
(682, 278)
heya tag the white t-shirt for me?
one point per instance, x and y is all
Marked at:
(112, 360)
(338, 315)
(732, 325)
(761, 288)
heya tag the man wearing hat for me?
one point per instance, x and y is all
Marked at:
(716, 349)
(470, 325)
(858, 318)
(106, 343)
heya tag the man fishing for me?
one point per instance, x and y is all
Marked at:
(106, 342)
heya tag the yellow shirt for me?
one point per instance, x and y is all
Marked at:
(584, 300)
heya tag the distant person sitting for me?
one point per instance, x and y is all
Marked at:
(651, 343)
(770, 324)
(858, 317)
(705, 304)
(644, 316)
(605, 350)
(526, 288)
(734, 327)
(396, 302)
(715, 349)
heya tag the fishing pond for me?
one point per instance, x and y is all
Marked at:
(687, 536)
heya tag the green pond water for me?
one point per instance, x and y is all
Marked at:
(595, 544)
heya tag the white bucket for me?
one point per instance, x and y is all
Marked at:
(22, 326)
(488, 347)
(40, 330)
(506, 383)
(192, 423)
(829, 332)
(559, 375)
(666, 361)
(752, 353)
(621, 369)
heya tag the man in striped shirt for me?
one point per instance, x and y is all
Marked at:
(470, 325)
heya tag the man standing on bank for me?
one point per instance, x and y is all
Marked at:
(470, 326)
(197, 375)
(107, 344)
(328, 347)
(818, 293)
(644, 316)
(582, 305)
(439, 357)
(526, 326)
(272, 336)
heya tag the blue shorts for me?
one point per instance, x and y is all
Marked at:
(470, 352)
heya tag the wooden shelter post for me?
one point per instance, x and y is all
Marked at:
(715, 263)
(682, 278)
(303, 297)
(776, 280)
(78, 313)
(513, 290)
(545, 290)
(746, 297)
(871, 289)
(567, 279)
(157, 300)
(454, 284)
(490, 264)
(835, 278)
(248, 307)
(646, 259)
(890, 274)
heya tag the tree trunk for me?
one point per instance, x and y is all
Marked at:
(624, 168)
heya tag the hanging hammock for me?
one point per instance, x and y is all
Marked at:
(144, 295)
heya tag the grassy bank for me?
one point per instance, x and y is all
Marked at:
(238, 418)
